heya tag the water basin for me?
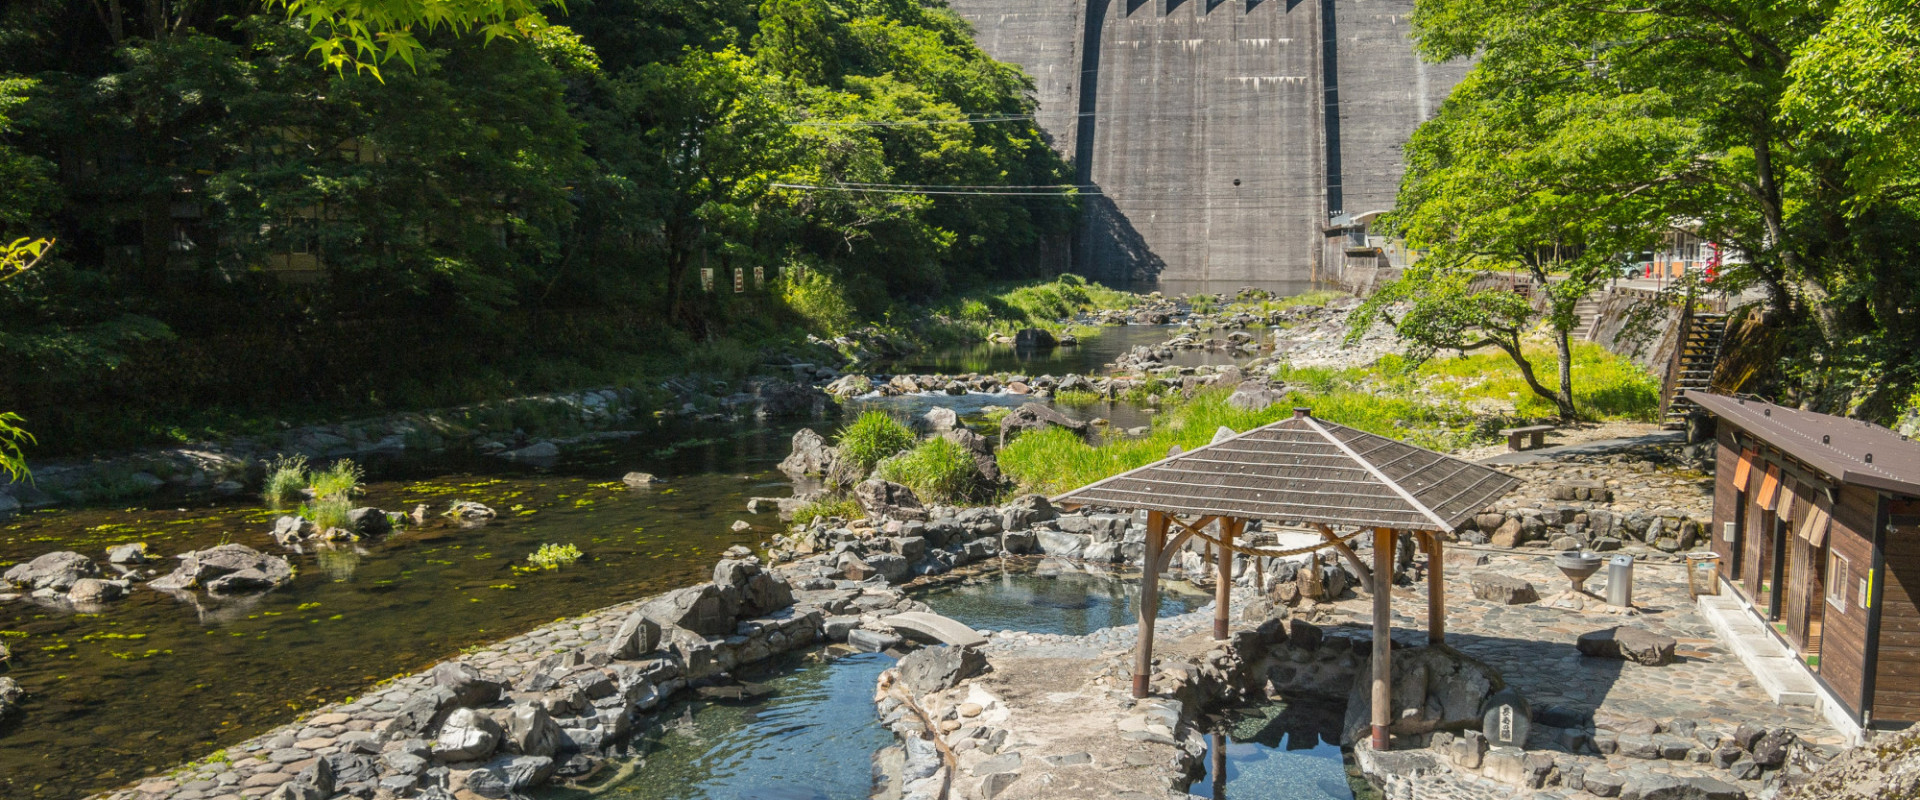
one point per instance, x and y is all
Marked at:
(1069, 603)
(1283, 750)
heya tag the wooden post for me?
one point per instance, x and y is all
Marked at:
(1149, 603)
(1223, 580)
(1382, 637)
(1352, 558)
(1436, 590)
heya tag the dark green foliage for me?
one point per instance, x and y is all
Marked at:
(523, 215)
(872, 437)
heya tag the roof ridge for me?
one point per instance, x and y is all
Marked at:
(1377, 474)
(1161, 462)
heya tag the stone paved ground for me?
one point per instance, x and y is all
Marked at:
(1532, 645)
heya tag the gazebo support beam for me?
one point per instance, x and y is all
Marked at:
(1382, 715)
(1353, 559)
(1223, 580)
(1436, 589)
(1149, 602)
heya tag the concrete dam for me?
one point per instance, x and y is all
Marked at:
(1216, 138)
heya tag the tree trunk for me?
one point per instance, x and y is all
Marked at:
(1512, 349)
(1563, 341)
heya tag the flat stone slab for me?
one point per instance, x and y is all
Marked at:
(928, 625)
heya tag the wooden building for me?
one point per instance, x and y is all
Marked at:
(1816, 520)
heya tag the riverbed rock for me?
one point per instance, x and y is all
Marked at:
(1034, 339)
(470, 511)
(640, 480)
(530, 731)
(1434, 688)
(941, 418)
(1253, 397)
(1498, 588)
(228, 568)
(127, 554)
(10, 694)
(290, 530)
(1629, 643)
(812, 457)
(540, 451)
(92, 591)
(369, 521)
(1034, 417)
(888, 499)
(637, 636)
(467, 735)
(58, 571)
(316, 782)
(471, 688)
(933, 669)
(703, 609)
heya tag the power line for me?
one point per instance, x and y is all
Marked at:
(1068, 190)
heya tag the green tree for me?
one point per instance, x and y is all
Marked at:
(1555, 185)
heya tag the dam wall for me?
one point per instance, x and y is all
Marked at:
(1215, 138)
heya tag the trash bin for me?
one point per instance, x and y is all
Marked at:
(1620, 581)
(1703, 574)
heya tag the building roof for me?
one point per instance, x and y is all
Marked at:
(1304, 470)
(1846, 450)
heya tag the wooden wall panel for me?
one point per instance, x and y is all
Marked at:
(1897, 675)
(1844, 640)
(1725, 498)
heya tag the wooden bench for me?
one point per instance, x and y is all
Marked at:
(1517, 438)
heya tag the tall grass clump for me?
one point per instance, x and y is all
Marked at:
(936, 470)
(328, 512)
(872, 437)
(1076, 398)
(341, 479)
(827, 508)
(286, 479)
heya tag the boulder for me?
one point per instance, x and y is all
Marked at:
(421, 712)
(703, 609)
(467, 735)
(1627, 643)
(530, 731)
(58, 571)
(1253, 397)
(369, 522)
(933, 669)
(637, 637)
(888, 499)
(313, 783)
(1506, 589)
(249, 569)
(135, 553)
(471, 688)
(811, 456)
(10, 694)
(1434, 688)
(290, 530)
(1033, 417)
(470, 511)
(95, 590)
(941, 419)
(1034, 339)
(1510, 534)
(764, 594)
(1656, 786)
(1024, 511)
(867, 641)
(986, 467)
(510, 775)
(640, 480)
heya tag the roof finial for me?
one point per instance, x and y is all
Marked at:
(1302, 412)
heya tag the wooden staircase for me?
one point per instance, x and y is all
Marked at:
(1695, 356)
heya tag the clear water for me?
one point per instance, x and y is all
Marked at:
(1067, 603)
(1094, 351)
(1283, 750)
(812, 738)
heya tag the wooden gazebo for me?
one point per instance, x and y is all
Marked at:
(1310, 473)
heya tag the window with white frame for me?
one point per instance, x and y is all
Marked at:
(1837, 579)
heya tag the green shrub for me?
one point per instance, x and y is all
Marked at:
(286, 478)
(724, 358)
(1076, 398)
(827, 508)
(328, 511)
(872, 437)
(554, 556)
(937, 470)
(341, 479)
(818, 299)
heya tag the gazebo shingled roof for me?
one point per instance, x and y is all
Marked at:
(1304, 470)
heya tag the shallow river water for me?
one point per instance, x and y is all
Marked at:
(151, 681)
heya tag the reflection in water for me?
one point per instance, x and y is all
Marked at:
(813, 738)
(1067, 602)
(1284, 750)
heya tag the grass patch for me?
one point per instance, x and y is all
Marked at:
(936, 469)
(1056, 460)
(341, 479)
(827, 508)
(1076, 398)
(1605, 386)
(286, 479)
(554, 556)
(872, 437)
(330, 511)
(1318, 297)
(1005, 308)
